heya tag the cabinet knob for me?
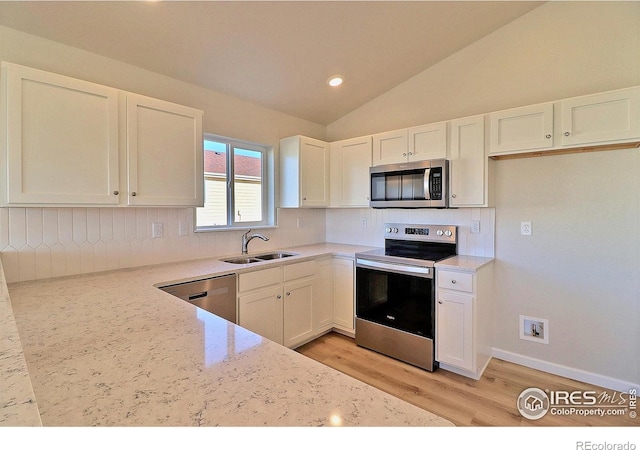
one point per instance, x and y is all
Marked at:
(288, 294)
(278, 297)
(304, 198)
(410, 153)
(440, 302)
(453, 195)
(566, 133)
(404, 154)
(116, 192)
(548, 136)
(133, 194)
(453, 281)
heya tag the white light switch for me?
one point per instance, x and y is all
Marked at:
(475, 226)
(156, 230)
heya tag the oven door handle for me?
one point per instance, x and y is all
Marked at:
(424, 271)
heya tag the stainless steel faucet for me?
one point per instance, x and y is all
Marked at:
(246, 239)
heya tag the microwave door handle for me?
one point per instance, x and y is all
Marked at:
(427, 184)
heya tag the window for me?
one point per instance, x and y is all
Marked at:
(237, 182)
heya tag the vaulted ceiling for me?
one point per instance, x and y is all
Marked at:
(277, 54)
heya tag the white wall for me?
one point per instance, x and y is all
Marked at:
(45, 242)
(581, 267)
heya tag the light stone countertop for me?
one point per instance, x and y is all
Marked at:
(109, 349)
(464, 263)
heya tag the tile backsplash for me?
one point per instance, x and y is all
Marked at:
(38, 243)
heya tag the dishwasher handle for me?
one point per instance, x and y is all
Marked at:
(193, 297)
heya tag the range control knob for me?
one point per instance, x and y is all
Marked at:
(448, 233)
(395, 230)
(439, 232)
(387, 230)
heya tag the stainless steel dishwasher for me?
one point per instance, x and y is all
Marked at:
(216, 294)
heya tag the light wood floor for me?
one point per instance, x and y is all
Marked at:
(490, 401)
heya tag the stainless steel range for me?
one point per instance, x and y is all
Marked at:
(395, 292)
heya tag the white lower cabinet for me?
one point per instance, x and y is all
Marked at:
(277, 303)
(463, 320)
(295, 303)
(342, 291)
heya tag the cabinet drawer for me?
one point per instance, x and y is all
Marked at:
(299, 270)
(458, 281)
(258, 279)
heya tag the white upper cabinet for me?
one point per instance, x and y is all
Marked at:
(390, 147)
(349, 179)
(468, 164)
(304, 172)
(521, 129)
(410, 144)
(61, 143)
(428, 142)
(607, 117)
(65, 147)
(164, 153)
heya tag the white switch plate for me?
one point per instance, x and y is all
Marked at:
(475, 226)
(525, 228)
(183, 229)
(363, 222)
(156, 230)
(299, 222)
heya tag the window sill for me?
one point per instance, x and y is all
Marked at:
(214, 229)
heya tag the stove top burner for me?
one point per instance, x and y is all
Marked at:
(417, 245)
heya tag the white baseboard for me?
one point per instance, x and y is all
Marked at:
(567, 372)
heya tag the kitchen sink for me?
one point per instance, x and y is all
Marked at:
(258, 258)
(242, 260)
(276, 255)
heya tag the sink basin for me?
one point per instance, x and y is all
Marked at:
(242, 260)
(276, 255)
(258, 258)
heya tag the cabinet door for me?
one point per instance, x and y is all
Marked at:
(610, 116)
(468, 162)
(61, 139)
(261, 312)
(454, 329)
(390, 147)
(314, 173)
(428, 142)
(343, 294)
(298, 312)
(350, 162)
(322, 297)
(164, 152)
(521, 129)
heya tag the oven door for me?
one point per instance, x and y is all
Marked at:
(397, 296)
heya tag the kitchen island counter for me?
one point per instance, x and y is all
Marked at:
(110, 349)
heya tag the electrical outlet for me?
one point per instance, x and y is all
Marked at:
(525, 228)
(363, 222)
(475, 226)
(156, 230)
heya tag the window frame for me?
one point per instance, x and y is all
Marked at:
(267, 182)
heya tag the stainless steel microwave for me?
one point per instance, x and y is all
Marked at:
(419, 184)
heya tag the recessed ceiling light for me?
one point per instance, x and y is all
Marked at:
(335, 80)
